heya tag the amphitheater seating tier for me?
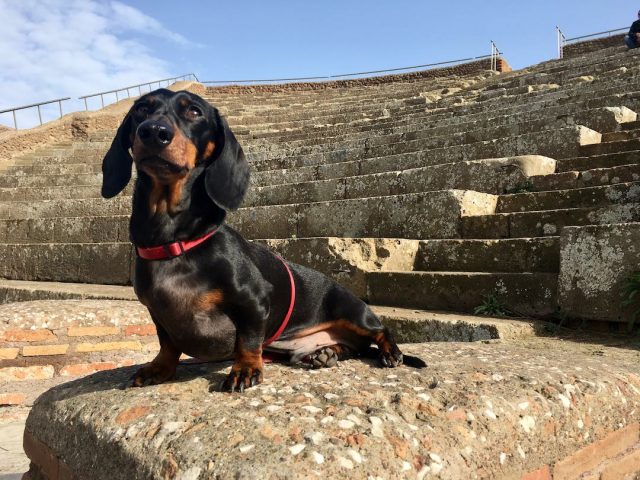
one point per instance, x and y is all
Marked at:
(484, 171)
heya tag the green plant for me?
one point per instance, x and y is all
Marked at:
(492, 306)
(522, 188)
(631, 297)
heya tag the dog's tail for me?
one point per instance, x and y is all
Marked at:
(408, 360)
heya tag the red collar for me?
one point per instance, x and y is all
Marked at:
(172, 250)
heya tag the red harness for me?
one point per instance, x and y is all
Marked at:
(176, 249)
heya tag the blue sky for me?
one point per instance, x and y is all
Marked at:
(54, 48)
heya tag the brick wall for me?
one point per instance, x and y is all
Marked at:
(44, 355)
(580, 48)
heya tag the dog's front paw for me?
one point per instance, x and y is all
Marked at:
(241, 378)
(391, 358)
(152, 374)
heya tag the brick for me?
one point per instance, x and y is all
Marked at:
(131, 414)
(12, 398)
(41, 455)
(40, 350)
(592, 455)
(141, 330)
(543, 473)
(627, 465)
(41, 335)
(8, 353)
(18, 374)
(79, 369)
(92, 331)
(102, 347)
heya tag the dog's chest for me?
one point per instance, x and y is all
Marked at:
(191, 316)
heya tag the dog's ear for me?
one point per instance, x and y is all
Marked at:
(116, 165)
(227, 175)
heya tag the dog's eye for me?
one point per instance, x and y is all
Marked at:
(142, 109)
(194, 112)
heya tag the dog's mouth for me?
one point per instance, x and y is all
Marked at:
(161, 166)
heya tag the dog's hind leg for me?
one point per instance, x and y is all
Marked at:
(327, 357)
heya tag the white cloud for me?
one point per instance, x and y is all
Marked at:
(53, 48)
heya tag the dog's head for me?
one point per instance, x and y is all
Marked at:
(168, 134)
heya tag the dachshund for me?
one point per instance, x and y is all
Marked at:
(212, 294)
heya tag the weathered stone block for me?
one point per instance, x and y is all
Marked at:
(607, 119)
(595, 262)
(353, 420)
(347, 260)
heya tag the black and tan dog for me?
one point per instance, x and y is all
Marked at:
(212, 294)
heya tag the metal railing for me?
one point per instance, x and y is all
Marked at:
(149, 85)
(494, 57)
(38, 105)
(128, 89)
(563, 41)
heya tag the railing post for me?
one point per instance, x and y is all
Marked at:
(102, 100)
(60, 107)
(39, 115)
(86, 107)
(117, 98)
(15, 122)
(561, 42)
(495, 56)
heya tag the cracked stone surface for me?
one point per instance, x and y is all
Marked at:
(483, 410)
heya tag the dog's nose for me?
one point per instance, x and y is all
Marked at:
(155, 134)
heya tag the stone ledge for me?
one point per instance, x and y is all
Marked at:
(478, 411)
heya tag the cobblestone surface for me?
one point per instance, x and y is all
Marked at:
(53, 315)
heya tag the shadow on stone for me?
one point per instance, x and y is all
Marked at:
(120, 379)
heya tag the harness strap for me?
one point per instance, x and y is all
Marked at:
(292, 303)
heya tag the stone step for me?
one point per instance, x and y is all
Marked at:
(419, 216)
(517, 104)
(610, 147)
(24, 291)
(48, 180)
(560, 143)
(101, 306)
(65, 208)
(545, 223)
(89, 229)
(570, 105)
(107, 263)
(631, 125)
(598, 161)
(588, 178)
(522, 294)
(50, 193)
(384, 144)
(600, 119)
(621, 193)
(510, 255)
(481, 101)
(491, 104)
(54, 170)
(621, 136)
(492, 176)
